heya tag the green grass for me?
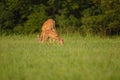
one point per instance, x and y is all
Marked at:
(80, 58)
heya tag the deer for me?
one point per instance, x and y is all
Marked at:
(49, 32)
(48, 25)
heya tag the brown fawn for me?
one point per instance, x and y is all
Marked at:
(49, 31)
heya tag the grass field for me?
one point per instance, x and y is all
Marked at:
(80, 58)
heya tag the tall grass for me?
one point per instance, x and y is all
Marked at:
(80, 58)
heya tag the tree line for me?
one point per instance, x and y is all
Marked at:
(98, 17)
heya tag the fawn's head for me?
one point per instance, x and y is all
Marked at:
(61, 41)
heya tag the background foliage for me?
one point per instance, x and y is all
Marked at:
(101, 17)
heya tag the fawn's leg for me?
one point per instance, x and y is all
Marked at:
(45, 38)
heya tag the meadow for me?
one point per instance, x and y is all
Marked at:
(80, 58)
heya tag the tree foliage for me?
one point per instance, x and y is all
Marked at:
(87, 16)
(102, 18)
